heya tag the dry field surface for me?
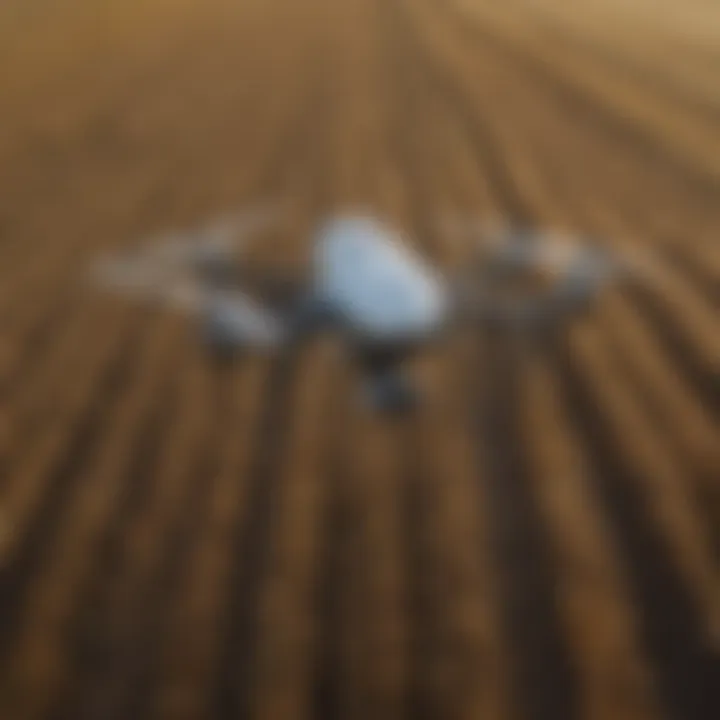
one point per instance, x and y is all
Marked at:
(540, 541)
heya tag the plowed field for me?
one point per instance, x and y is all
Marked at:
(540, 541)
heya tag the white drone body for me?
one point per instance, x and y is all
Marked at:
(381, 289)
(365, 282)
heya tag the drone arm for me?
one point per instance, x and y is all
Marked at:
(312, 315)
(233, 321)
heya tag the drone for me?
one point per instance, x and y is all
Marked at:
(367, 283)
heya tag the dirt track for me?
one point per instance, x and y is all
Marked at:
(541, 541)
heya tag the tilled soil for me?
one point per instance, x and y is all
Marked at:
(539, 541)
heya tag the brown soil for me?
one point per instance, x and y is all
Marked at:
(540, 541)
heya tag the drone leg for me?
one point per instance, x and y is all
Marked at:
(387, 388)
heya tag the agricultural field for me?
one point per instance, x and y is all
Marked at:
(541, 540)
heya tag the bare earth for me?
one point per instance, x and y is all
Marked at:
(540, 541)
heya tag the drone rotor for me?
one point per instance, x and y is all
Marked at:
(192, 272)
(532, 279)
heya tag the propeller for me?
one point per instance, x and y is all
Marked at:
(576, 268)
(153, 283)
(181, 271)
(215, 242)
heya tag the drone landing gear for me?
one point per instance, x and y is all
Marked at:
(387, 388)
